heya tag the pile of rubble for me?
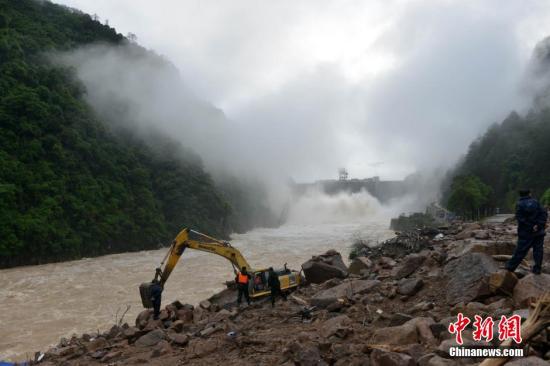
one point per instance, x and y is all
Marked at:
(385, 310)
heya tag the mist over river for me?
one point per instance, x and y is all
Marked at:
(41, 304)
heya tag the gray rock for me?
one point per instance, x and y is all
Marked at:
(324, 267)
(467, 277)
(98, 354)
(326, 297)
(162, 348)
(178, 339)
(143, 318)
(409, 265)
(523, 313)
(304, 354)
(209, 330)
(111, 356)
(131, 332)
(64, 351)
(96, 344)
(438, 329)
(205, 304)
(398, 335)
(359, 265)
(177, 326)
(185, 315)
(383, 358)
(151, 338)
(410, 286)
(423, 361)
(440, 361)
(338, 326)
(386, 262)
(399, 319)
(528, 361)
(530, 288)
(482, 234)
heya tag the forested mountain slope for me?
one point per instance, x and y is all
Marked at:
(511, 155)
(69, 186)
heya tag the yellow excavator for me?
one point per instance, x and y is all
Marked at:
(191, 239)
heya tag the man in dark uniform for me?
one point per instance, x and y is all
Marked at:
(242, 280)
(275, 285)
(156, 294)
(531, 218)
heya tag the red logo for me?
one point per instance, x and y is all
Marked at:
(508, 328)
(458, 327)
(483, 328)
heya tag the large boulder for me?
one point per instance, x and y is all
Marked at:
(467, 277)
(324, 267)
(530, 287)
(409, 265)
(327, 297)
(360, 265)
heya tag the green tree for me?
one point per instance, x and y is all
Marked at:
(69, 185)
(469, 195)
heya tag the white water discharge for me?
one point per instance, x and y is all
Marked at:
(41, 304)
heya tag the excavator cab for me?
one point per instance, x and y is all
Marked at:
(259, 285)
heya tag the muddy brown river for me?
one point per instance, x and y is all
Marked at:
(41, 304)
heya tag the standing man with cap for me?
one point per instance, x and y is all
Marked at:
(531, 218)
(275, 285)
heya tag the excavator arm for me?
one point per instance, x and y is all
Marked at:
(188, 238)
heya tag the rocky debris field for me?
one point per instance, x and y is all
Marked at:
(388, 309)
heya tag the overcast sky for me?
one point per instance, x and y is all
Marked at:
(379, 87)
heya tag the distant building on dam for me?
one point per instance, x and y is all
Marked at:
(383, 190)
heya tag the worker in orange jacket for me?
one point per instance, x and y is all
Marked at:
(242, 280)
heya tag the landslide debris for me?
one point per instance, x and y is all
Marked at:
(392, 308)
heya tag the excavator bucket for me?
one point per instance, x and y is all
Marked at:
(145, 292)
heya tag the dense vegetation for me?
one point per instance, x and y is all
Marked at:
(69, 186)
(412, 222)
(512, 155)
(470, 197)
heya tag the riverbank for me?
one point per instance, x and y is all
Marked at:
(392, 310)
(93, 290)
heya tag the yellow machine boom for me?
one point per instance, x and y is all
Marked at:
(188, 238)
